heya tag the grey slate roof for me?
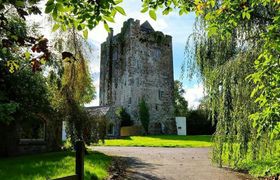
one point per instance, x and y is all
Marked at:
(98, 110)
(146, 26)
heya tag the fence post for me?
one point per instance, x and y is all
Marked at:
(80, 152)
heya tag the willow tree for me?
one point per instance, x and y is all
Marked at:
(225, 62)
(75, 84)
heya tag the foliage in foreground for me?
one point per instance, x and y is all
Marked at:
(243, 131)
(76, 87)
(162, 141)
(265, 165)
(53, 165)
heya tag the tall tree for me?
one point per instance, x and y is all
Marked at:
(76, 87)
(181, 105)
(144, 115)
(225, 75)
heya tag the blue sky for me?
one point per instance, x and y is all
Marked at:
(179, 27)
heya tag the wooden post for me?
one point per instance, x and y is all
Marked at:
(80, 152)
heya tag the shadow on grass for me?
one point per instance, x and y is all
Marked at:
(47, 165)
(33, 166)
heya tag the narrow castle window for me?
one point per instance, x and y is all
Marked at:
(160, 94)
(129, 100)
(115, 55)
(157, 53)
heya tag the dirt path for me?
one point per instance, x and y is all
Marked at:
(170, 163)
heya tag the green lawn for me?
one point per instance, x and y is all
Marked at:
(161, 141)
(52, 165)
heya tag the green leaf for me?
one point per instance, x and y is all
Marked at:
(55, 27)
(113, 12)
(243, 15)
(54, 14)
(20, 3)
(63, 27)
(175, 2)
(181, 12)
(145, 9)
(27, 55)
(110, 19)
(4, 50)
(120, 10)
(153, 15)
(118, 1)
(255, 90)
(59, 7)
(75, 23)
(212, 31)
(208, 16)
(12, 65)
(166, 11)
(50, 2)
(106, 26)
(248, 15)
(212, 3)
(49, 8)
(85, 33)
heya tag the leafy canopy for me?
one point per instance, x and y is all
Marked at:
(181, 105)
(83, 15)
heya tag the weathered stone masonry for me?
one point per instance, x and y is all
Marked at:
(137, 63)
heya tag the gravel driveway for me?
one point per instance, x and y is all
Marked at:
(170, 163)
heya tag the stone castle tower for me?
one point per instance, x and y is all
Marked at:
(137, 63)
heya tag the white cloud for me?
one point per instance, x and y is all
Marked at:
(193, 95)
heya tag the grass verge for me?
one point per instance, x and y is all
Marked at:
(161, 141)
(53, 165)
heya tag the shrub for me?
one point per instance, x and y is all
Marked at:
(144, 115)
(198, 123)
(95, 129)
(124, 117)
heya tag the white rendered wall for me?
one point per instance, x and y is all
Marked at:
(181, 124)
(64, 131)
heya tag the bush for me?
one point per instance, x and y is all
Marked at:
(198, 123)
(124, 117)
(144, 115)
(95, 129)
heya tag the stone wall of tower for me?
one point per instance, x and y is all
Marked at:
(135, 64)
